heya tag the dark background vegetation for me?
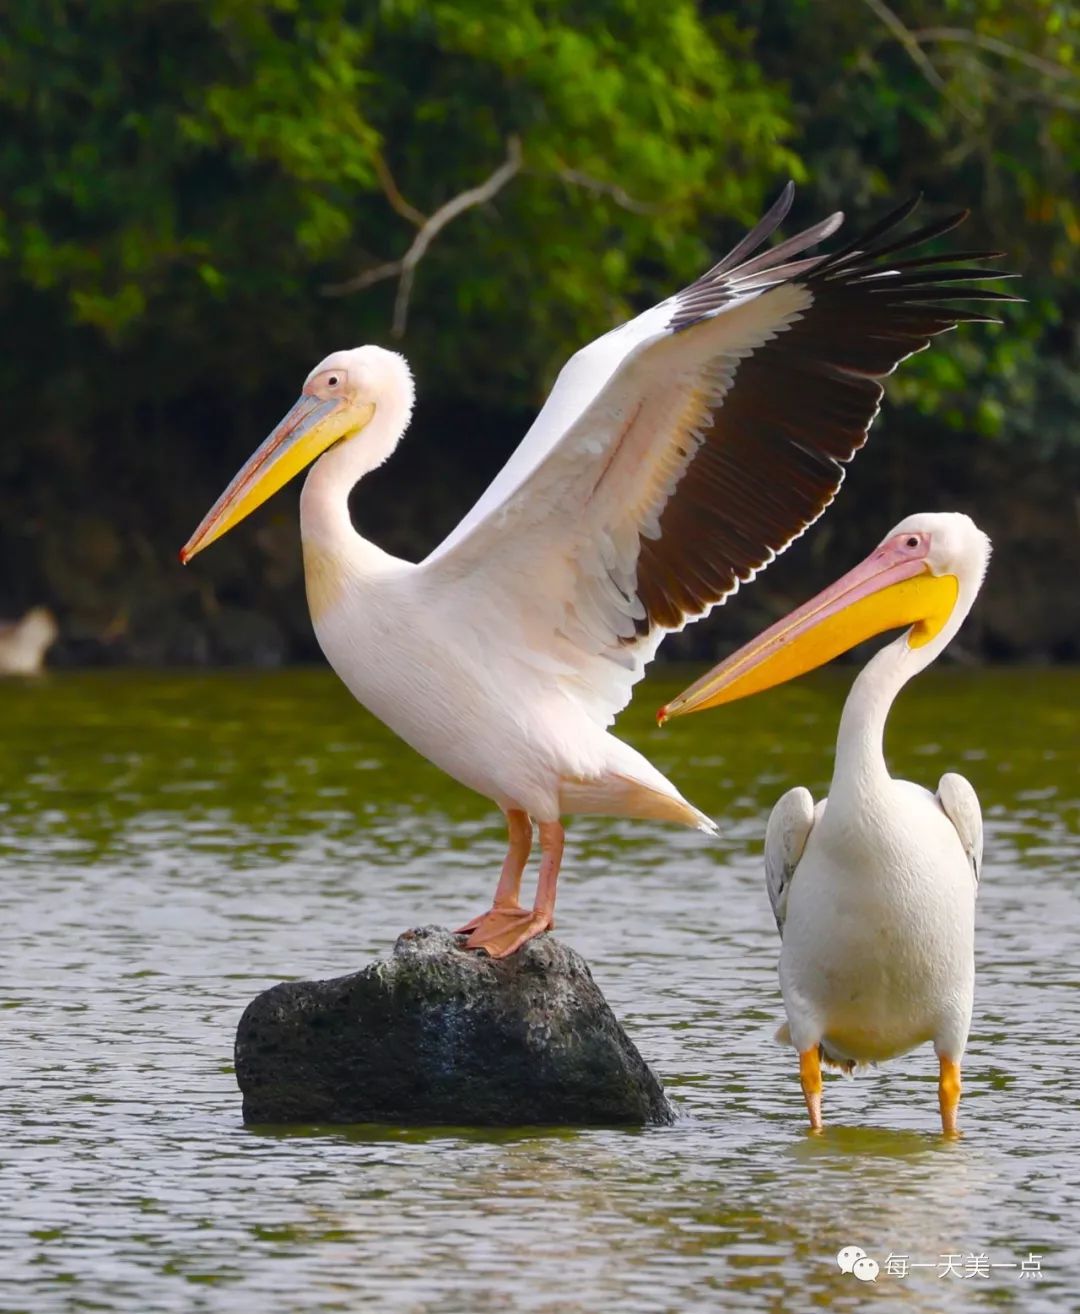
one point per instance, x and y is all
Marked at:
(185, 185)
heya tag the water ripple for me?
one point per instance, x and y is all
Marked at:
(211, 835)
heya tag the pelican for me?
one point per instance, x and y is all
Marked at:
(25, 642)
(674, 458)
(873, 890)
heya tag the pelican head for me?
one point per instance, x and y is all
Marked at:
(339, 400)
(924, 575)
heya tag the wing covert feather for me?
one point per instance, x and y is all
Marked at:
(680, 453)
(790, 824)
(960, 804)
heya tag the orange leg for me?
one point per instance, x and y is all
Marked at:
(948, 1094)
(507, 926)
(810, 1077)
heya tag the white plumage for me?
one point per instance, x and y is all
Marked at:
(24, 643)
(674, 458)
(873, 890)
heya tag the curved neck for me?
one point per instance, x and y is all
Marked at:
(859, 768)
(324, 499)
(860, 754)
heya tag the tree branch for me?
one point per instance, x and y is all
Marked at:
(405, 268)
(394, 196)
(906, 38)
(918, 56)
(961, 36)
(618, 194)
(376, 274)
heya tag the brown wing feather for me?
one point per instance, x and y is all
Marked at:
(799, 407)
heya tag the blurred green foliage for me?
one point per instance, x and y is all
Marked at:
(185, 187)
(972, 101)
(194, 173)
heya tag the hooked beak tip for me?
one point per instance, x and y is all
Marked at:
(662, 715)
(184, 555)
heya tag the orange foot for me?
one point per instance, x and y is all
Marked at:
(502, 931)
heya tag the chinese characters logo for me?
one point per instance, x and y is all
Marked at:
(855, 1261)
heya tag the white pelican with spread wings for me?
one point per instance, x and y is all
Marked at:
(674, 458)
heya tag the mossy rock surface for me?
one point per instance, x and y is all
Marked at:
(438, 1035)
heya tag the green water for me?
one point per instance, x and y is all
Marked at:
(169, 845)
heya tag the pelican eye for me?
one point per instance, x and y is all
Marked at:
(912, 542)
(332, 381)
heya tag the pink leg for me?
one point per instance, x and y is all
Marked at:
(508, 890)
(508, 926)
(552, 839)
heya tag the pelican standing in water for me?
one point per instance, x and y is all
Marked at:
(873, 889)
(673, 459)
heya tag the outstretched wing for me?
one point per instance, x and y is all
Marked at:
(678, 454)
(960, 804)
(790, 824)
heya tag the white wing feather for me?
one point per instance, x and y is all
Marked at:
(960, 804)
(678, 454)
(790, 824)
(551, 549)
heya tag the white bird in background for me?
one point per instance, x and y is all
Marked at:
(874, 889)
(24, 643)
(674, 458)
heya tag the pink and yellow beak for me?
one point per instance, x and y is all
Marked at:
(893, 588)
(310, 427)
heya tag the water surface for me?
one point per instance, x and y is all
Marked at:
(170, 845)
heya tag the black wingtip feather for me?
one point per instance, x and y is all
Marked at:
(865, 240)
(954, 257)
(863, 261)
(799, 404)
(760, 233)
(866, 250)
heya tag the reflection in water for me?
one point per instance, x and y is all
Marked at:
(170, 845)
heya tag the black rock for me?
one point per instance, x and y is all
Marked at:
(440, 1035)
